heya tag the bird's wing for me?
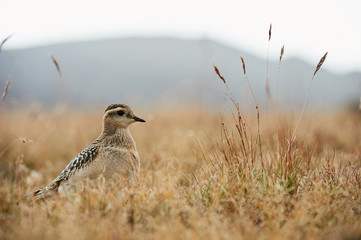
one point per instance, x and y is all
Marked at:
(81, 161)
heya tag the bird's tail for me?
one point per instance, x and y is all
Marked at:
(47, 191)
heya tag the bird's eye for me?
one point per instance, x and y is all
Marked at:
(120, 113)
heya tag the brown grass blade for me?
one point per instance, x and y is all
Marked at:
(62, 80)
(320, 63)
(57, 66)
(243, 65)
(306, 100)
(3, 42)
(6, 89)
(282, 52)
(268, 91)
(277, 106)
(218, 73)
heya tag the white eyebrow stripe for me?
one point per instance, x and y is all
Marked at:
(115, 109)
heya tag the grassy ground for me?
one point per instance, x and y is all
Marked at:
(200, 179)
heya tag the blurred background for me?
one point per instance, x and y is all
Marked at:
(159, 52)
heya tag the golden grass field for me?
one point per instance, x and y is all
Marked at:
(198, 179)
(204, 175)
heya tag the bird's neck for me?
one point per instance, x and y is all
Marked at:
(117, 137)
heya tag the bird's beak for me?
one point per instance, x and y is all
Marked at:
(137, 119)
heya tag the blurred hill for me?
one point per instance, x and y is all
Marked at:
(146, 71)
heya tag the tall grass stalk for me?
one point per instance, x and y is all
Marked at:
(268, 92)
(290, 143)
(4, 41)
(6, 89)
(277, 103)
(233, 99)
(67, 93)
(257, 107)
(307, 95)
(62, 80)
(243, 129)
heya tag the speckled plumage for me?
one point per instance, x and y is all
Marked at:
(113, 152)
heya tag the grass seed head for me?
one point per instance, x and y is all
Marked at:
(270, 32)
(219, 74)
(56, 65)
(3, 42)
(6, 89)
(243, 65)
(320, 63)
(282, 52)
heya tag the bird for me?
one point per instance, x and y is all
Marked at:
(114, 152)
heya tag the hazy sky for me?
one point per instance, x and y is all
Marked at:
(308, 28)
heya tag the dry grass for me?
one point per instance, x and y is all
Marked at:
(203, 176)
(197, 180)
(6, 89)
(4, 41)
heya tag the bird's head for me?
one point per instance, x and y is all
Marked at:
(119, 116)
